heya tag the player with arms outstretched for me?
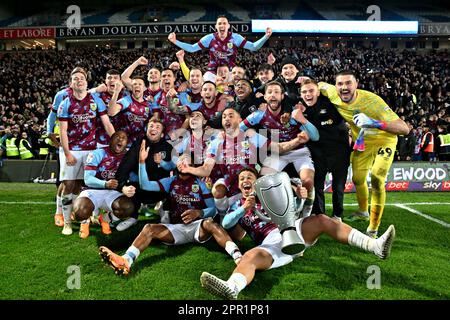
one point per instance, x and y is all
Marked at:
(374, 129)
(222, 45)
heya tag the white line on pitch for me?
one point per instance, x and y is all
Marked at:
(328, 204)
(402, 206)
(397, 203)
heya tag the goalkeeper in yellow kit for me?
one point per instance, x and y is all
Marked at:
(374, 129)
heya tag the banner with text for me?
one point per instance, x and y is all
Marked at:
(408, 176)
(145, 30)
(28, 33)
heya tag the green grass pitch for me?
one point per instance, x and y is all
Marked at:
(36, 258)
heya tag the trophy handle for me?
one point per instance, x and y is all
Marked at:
(296, 182)
(262, 216)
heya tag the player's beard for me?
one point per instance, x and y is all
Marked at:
(211, 102)
(274, 105)
(350, 95)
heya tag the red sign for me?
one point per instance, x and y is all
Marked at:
(446, 186)
(27, 33)
(397, 186)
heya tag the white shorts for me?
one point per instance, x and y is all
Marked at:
(185, 233)
(301, 158)
(272, 244)
(102, 199)
(75, 172)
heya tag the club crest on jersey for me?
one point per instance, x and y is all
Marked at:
(195, 188)
(93, 106)
(163, 154)
(147, 109)
(230, 45)
(245, 144)
(176, 100)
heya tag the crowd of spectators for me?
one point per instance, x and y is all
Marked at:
(415, 84)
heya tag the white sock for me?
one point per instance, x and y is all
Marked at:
(58, 205)
(233, 250)
(67, 205)
(131, 254)
(165, 216)
(221, 204)
(360, 240)
(238, 281)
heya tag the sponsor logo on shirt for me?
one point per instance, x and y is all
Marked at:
(108, 174)
(82, 118)
(329, 122)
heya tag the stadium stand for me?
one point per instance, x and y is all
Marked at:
(235, 11)
(415, 85)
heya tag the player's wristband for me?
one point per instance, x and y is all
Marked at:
(379, 124)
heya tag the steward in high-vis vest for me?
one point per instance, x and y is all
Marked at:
(444, 146)
(12, 150)
(25, 148)
(45, 146)
(427, 145)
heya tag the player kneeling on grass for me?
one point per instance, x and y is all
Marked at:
(190, 220)
(99, 176)
(268, 254)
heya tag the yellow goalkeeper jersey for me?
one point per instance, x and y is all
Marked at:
(368, 103)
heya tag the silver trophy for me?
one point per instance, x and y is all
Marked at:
(275, 193)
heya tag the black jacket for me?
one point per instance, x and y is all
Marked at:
(291, 89)
(333, 132)
(406, 145)
(245, 108)
(130, 162)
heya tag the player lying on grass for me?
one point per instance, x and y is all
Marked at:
(267, 254)
(99, 175)
(190, 218)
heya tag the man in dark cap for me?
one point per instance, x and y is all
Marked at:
(288, 78)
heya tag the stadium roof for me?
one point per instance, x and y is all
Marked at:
(94, 12)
